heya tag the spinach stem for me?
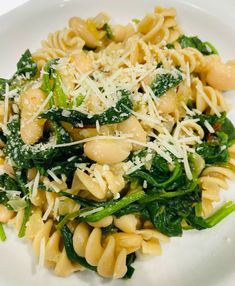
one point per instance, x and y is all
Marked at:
(27, 212)
(2, 233)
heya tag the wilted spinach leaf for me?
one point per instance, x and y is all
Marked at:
(120, 112)
(163, 82)
(194, 42)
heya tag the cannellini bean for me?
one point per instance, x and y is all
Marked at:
(30, 101)
(133, 127)
(107, 151)
(167, 102)
(221, 76)
(5, 214)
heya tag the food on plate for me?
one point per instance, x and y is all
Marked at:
(114, 138)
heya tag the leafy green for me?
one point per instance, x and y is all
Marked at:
(212, 152)
(220, 214)
(167, 215)
(51, 82)
(27, 213)
(26, 69)
(215, 147)
(104, 209)
(41, 154)
(62, 110)
(26, 65)
(9, 184)
(163, 82)
(194, 42)
(67, 237)
(67, 165)
(170, 46)
(160, 174)
(2, 233)
(109, 229)
(21, 179)
(135, 20)
(150, 177)
(134, 208)
(77, 101)
(83, 202)
(108, 31)
(130, 270)
(120, 112)
(113, 207)
(3, 84)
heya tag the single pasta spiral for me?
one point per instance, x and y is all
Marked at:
(44, 236)
(66, 40)
(159, 27)
(213, 179)
(58, 45)
(186, 130)
(109, 254)
(207, 99)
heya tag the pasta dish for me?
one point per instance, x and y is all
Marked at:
(114, 138)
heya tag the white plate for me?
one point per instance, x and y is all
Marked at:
(199, 258)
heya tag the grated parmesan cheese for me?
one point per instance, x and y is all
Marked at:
(54, 177)
(42, 252)
(209, 127)
(35, 185)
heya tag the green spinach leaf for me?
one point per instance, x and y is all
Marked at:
(194, 42)
(163, 82)
(120, 112)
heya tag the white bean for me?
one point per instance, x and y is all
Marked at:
(221, 76)
(107, 151)
(133, 127)
(30, 101)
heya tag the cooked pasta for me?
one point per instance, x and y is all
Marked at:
(114, 138)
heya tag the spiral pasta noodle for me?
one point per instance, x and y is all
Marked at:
(65, 40)
(88, 243)
(160, 26)
(44, 238)
(207, 98)
(212, 180)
